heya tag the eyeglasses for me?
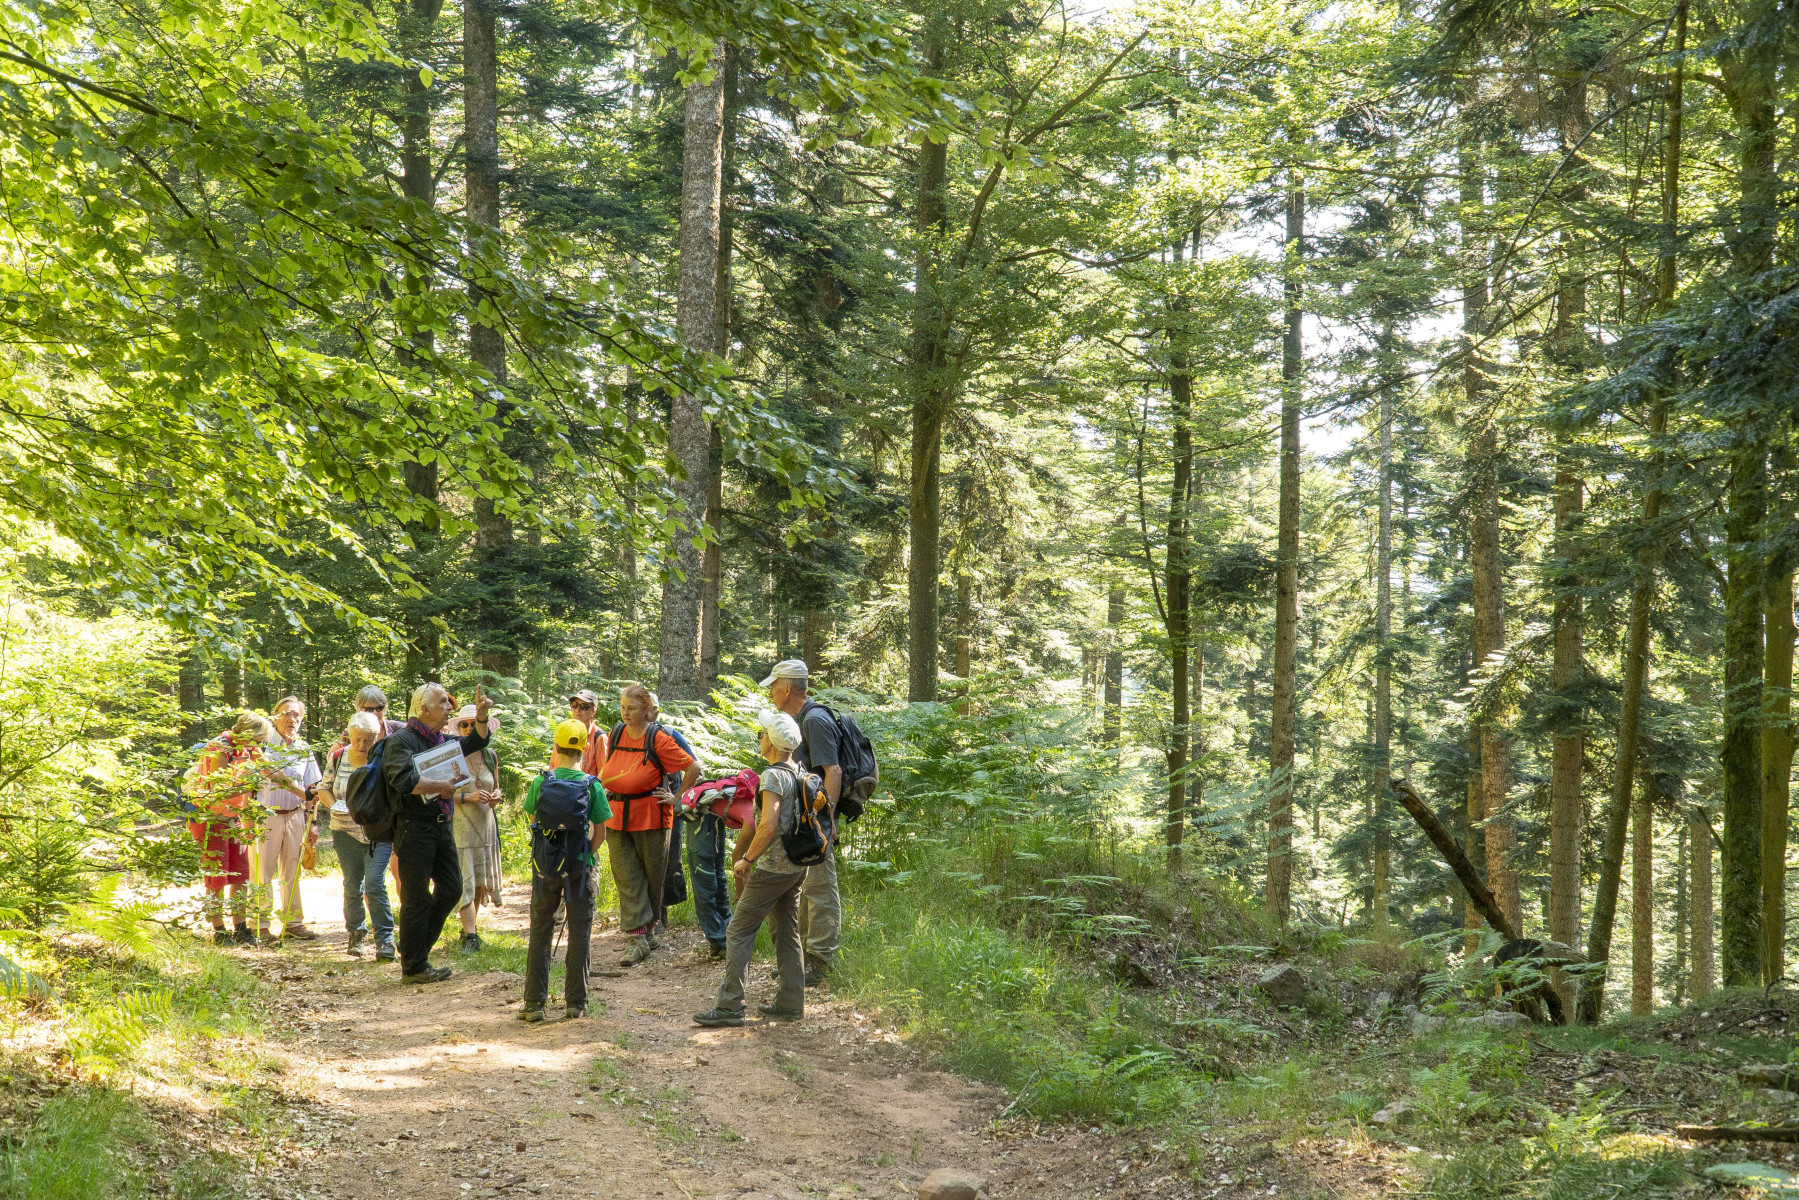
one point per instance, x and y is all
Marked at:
(582, 707)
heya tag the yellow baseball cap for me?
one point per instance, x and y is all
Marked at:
(571, 735)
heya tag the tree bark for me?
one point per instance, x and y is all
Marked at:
(1278, 893)
(1179, 577)
(1383, 659)
(1699, 841)
(929, 397)
(712, 559)
(1777, 765)
(1112, 726)
(1476, 815)
(689, 434)
(964, 631)
(1642, 905)
(1747, 508)
(418, 183)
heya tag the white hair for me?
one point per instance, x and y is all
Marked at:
(421, 694)
(368, 722)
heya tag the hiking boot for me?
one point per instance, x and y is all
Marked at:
(221, 937)
(357, 937)
(470, 943)
(270, 941)
(428, 975)
(816, 971)
(719, 1018)
(384, 952)
(299, 933)
(654, 941)
(640, 950)
(241, 936)
(575, 1014)
(774, 1012)
(531, 1016)
(718, 950)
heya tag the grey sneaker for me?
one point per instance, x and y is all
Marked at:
(384, 952)
(717, 1018)
(640, 950)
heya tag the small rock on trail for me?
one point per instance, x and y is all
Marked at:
(1284, 985)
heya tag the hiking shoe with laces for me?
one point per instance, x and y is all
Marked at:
(221, 937)
(816, 972)
(470, 943)
(719, 1018)
(354, 946)
(384, 952)
(299, 933)
(718, 950)
(774, 1012)
(640, 950)
(270, 941)
(242, 936)
(575, 1014)
(428, 975)
(530, 1016)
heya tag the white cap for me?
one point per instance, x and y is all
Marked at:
(782, 730)
(787, 668)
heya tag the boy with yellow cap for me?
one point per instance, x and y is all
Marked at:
(567, 809)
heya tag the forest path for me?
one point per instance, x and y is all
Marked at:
(452, 1096)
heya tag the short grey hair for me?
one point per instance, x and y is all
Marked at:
(423, 692)
(287, 700)
(371, 695)
(368, 722)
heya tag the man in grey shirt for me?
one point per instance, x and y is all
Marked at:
(821, 908)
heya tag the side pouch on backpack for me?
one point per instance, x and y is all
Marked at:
(806, 826)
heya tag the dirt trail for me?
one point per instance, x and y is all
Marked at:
(440, 1091)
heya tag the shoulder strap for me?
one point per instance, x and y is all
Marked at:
(649, 747)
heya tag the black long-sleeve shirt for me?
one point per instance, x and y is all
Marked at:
(401, 776)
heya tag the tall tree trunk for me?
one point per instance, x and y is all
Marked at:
(418, 183)
(1196, 785)
(689, 435)
(1636, 653)
(1383, 655)
(1747, 507)
(1699, 843)
(1476, 809)
(1278, 894)
(1642, 905)
(964, 633)
(1683, 914)
(1112, 726)
(1179, 572)
(1749, 75)
(487, 342)
(712, 559)
(929, 397)
(1777, 765)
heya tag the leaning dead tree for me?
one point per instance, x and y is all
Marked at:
(1517, 946)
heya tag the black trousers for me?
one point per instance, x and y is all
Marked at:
(430, 887)
(547, 893)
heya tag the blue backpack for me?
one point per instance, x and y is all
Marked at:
(559, 832)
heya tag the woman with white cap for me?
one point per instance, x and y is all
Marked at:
(771, 887)
(476, 828)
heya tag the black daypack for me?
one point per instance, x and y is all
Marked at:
(806, 829)
(369, 804)
(559, 828)
(856, 758)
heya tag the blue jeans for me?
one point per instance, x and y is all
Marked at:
(365, 879)
(707, 861)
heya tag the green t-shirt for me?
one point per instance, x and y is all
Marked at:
(598, 811)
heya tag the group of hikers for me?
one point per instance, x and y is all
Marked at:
(416, 798)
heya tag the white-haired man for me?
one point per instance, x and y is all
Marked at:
(424, 844)
(821, 905)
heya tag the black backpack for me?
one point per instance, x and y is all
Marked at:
(856, 758)
(559, 829)
(648, 750)
(562, 804)
(806, 828)
(369, 804)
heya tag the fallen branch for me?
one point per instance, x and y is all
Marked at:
(1407, 795)
(1738, 1133)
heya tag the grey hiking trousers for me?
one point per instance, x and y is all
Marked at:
(765, 893)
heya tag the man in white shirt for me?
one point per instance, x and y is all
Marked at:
(286, 799)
